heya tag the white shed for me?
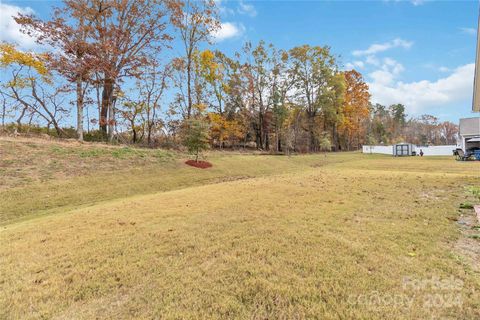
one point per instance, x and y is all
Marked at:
(403, 149)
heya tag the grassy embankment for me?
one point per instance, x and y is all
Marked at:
(89, 231)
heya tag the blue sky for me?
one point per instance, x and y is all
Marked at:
(419, 53)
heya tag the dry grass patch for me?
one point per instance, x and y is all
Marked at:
(294, 241)
(26, 161)
(84, 181)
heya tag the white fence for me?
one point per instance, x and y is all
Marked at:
(427, 151)
(378, 149)
(436, 150)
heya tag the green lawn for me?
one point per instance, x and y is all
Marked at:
(261, 237)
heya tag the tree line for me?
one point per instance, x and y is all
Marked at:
(111, 56)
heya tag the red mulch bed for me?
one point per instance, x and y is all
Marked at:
(198, 164)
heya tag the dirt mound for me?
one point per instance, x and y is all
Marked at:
(198, 164)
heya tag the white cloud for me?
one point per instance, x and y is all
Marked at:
(470, 31)
(389, 69)
(380, 47)
(393, 66)
(417, 2)
(372, 60)
(436, 67)
(245, 8)
(382, 77)
(359, 64)
(414, 2)
(223, 9)
(455, 87)
(417, 96)
(354, 65)
(228, 30)
(10, 30)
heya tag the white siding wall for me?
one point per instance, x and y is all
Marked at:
(427, 151)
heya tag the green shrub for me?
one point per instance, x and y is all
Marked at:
(68, 132)
(466, 205)
(91, 153)
(475, 191)
(125, 152)
(94, 135)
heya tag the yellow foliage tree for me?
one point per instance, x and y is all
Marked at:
(9, 55)
(222, 129)
(213, 72)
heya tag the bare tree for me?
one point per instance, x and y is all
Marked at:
(37, 97)
(196, 21)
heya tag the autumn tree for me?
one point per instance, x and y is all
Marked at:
(333, 108)
(292, 127)
(5, 110)
(131, 111)
(281, 84)
(237, 93)
(113, 37)
(356, 109)
(150, 88)
(313, 69)
(448, 132)
(267, 84)
(196, 21)
(74, 55)
(10, 55)
(213, 67)
(256, 71)
(127, 35)
(222, 129)
(280, 113)
(30, 86)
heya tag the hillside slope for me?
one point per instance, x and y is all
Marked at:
(253, 237)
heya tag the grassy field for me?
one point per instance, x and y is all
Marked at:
(89, 231)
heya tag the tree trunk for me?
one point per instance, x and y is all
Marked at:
(267, 141)
(88, 121)
(149, 127)
(111, 121)
(4, 110)
(277, 140)
(189, 88)
(311, 131)
(79, 109)
(57, 128)
(149, 135)
(19, 119)
(260, 131)
(258, 138)
(335, 136)
(107, 95)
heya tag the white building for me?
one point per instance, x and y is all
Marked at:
(469, 131)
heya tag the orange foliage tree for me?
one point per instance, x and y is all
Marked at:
(356, 110)
(222, 129)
